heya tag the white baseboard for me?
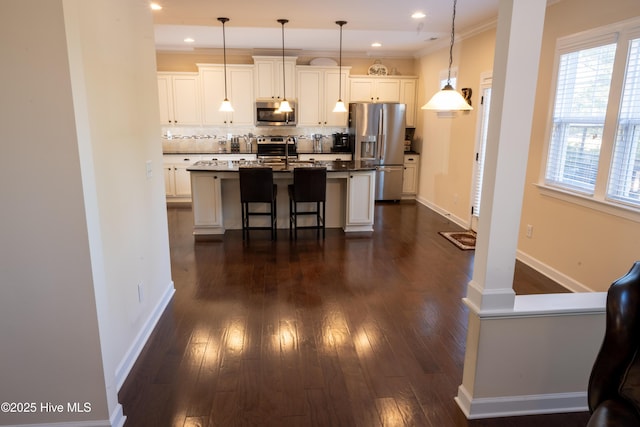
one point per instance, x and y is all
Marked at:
(552, 273)
(448, 215)
(520, 405)
(130, 357)
(117, 418)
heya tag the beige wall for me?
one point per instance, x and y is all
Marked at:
(447, 144)
(591, 247)
(573, 243)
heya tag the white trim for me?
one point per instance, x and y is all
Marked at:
(616, 209)
(125, 365)
(117, 418)
(458, 221)
(550, 272)
(493, 407)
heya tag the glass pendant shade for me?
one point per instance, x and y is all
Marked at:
(285, 107)
(340, 107)
(226, 107)
(448, 99)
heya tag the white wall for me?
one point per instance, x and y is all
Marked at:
(82, 225)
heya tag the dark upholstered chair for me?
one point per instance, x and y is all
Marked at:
(614, 385)
(256, 186)
(309, 185)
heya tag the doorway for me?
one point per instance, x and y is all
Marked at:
(481, 143)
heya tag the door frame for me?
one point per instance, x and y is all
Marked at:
(486, 80)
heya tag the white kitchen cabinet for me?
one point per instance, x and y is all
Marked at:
(179, 99)
(408, 94)
(374, 89)
(268, 77)
(410, 175)
(239, 91)
(318, 91)
(177, 180)
(360, 201)
(207, 203)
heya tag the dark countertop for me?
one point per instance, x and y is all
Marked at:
(332, 166)
(206, 153)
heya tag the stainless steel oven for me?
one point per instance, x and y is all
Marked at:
(267, 114)
(277, 148)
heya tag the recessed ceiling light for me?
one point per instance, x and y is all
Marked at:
(189, 40)
(418, 15)
(376, 44)
(155, 6)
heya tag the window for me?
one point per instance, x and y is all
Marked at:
(582, 91)
(594, 142)
(624, 185)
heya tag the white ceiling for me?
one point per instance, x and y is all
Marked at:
(312, 28)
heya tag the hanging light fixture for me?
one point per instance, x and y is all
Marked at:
(284, 104)
(226, 104)
(340, 107)
(448, 99)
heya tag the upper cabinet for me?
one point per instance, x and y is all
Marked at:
(318, 91)
(239, 91)
(179, 98)
(269, 77)
(386, 89)
(374, 89)
(408, 95)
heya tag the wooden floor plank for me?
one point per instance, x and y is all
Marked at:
(350, 330)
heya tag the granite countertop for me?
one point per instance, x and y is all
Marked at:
(206, 152)
(232, 166)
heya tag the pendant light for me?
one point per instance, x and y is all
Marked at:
(340, 107)
(226, 104)
(284, 104)
(448, 99)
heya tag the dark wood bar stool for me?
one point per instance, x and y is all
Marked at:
(309, 186)
(256, 186)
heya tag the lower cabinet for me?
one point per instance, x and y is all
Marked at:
(177, 180)
(360, 201)
(410, 176)
(207, 206)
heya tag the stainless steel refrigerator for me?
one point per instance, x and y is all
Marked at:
(376, 132)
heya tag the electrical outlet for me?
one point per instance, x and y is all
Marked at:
(149, 169)
(529, 231)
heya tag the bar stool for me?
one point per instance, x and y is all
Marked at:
(256, 186)
(309, 185)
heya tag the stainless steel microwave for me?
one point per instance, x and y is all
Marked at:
(267, 114)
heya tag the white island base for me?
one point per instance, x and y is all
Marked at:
(216, 201)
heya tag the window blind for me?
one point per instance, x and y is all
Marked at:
(479, 175)
(624, 182)
(582, 92)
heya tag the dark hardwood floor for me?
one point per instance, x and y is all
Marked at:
(346, 331)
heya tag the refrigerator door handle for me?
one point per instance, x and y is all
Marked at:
(381, 141)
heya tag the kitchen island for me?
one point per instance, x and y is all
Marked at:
(215, 192)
